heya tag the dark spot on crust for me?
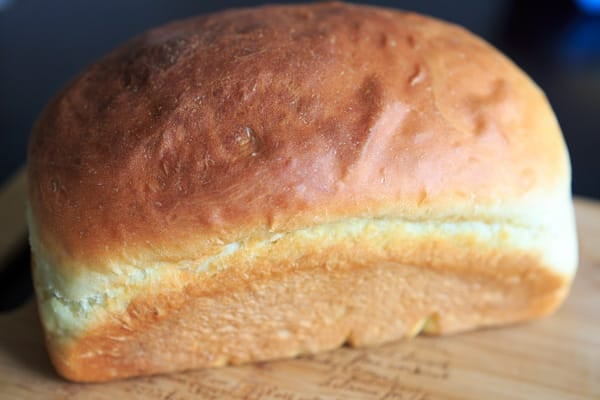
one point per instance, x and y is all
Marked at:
(480, 125)
(305, 15)
(410, 41)
(249, 28)
(422, 197)
(167, 53)
(368, 104)
(150, 57)
(383, 40)
(370, 99)
(135, 76)
(387, 40)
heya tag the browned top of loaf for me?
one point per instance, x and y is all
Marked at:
(279, 117)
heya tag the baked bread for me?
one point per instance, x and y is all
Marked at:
(261, 183)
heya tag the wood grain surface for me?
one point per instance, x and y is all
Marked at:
(554, 358)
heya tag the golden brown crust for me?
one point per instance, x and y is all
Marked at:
(279, 180)
(274, 311)
(275, 118)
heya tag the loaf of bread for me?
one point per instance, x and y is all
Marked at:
(262, 183)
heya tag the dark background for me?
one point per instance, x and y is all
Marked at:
(43, 43)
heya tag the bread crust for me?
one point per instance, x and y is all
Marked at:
(276, 118)
(303, 292)
(270, 311)
(220, 176)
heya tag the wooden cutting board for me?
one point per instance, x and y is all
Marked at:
(555, 358)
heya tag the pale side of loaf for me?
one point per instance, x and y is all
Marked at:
(267, 182)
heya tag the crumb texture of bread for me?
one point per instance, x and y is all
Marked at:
(265, 182)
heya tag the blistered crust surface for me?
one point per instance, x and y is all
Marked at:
(256, 121)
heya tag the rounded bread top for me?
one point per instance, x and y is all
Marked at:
(230, 125)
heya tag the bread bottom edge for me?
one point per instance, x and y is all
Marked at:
(233, 318)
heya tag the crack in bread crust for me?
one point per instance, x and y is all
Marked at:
(71, 304)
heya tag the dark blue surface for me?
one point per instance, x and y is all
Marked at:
(45, 43)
